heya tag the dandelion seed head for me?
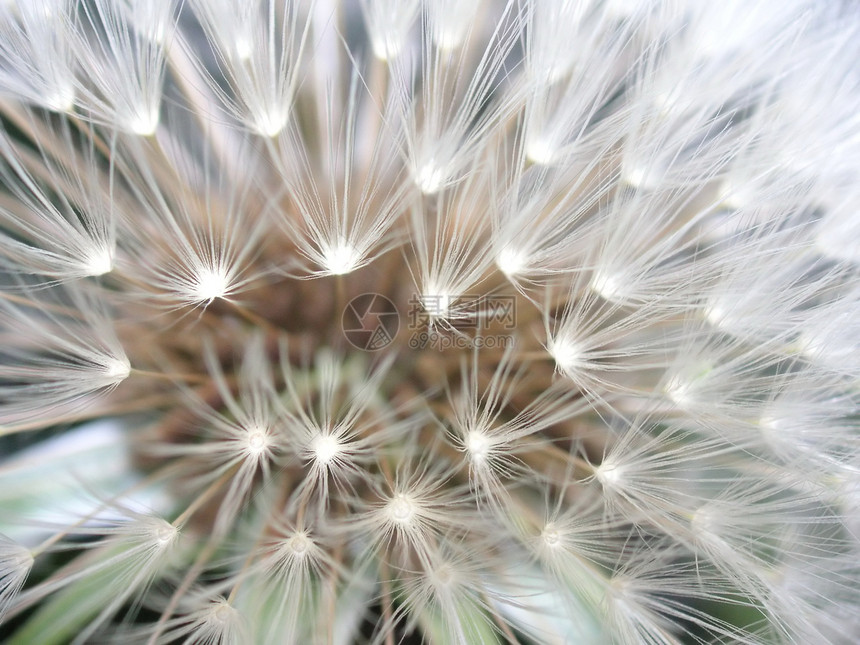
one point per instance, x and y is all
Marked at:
(547, 323)
(326, 448)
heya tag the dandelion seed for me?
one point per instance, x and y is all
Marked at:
(219, 624)
(341, 259)
(143, 123)
(211, 284)
(401, 509)
(258, 442)
(243, 48)
(117, 369)
(298, 545)
(450, 22)
(566, 354)
(478, 445)
(609, 474)
(98, 264)
(388, 23)
(63, 100)
(437, 302)
(511, 262)
(607, 286)
(15, 565)
(550, 536)
(430, 177)
(325, 448)
(165, 535)
(541, 150)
